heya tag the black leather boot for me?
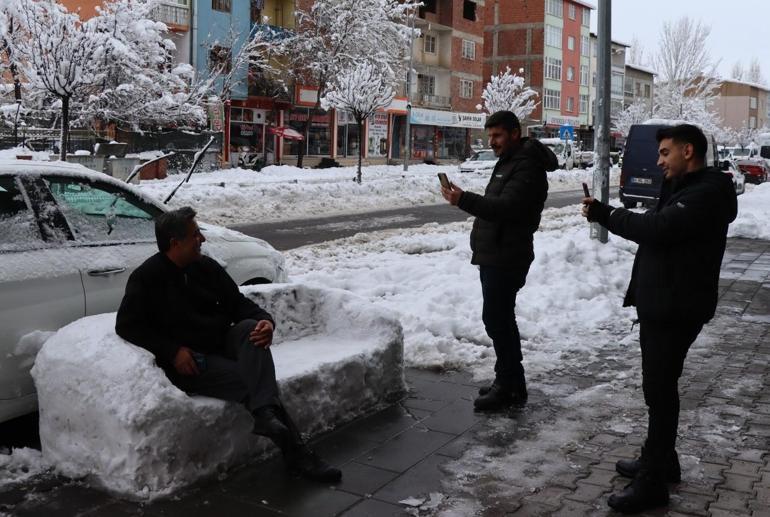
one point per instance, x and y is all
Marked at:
(498, 398)
(647, 491)
(672, 472)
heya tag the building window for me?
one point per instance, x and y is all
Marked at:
(428, 6)
(617, 84)
(553, 36)
(752, 122)
(551, 99)
(586, 17)
(570, 43)
(629, 86)
(221, 5)
(593, 80)
(426, 84)
(583, 75)
(752, 103)
(553, 68)
(583, 103)
(570, 104)
(429, 44)
(469, 10)
(554, 8)
(572, 11)
(469, 49)
(466, 89)
(220, 59)
(584, 46)
(647, 91)
(570, 73)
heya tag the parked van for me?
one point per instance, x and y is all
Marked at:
(640, 177)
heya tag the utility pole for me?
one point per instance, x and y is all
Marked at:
(603, 106)
(408, 134)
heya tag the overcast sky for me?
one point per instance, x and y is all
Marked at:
(739, 28)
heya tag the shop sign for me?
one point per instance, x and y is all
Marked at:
(426, 117)
(344, 118)
(216, 115)
(378, 134)
(563, 121)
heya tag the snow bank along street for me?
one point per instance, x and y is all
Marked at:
(281, 193)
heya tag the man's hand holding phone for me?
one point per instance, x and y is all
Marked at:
(449, 190)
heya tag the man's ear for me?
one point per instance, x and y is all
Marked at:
(689, 151)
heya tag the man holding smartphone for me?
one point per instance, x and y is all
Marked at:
(507, 216)
(673, 285)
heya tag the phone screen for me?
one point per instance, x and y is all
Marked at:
(442, 177)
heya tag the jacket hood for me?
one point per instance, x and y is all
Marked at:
(534, 149)
(721, 182)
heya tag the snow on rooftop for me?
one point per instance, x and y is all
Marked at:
(642, 68)
(746, 83)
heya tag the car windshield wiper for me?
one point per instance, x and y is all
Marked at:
(139, 167)
(196, 160)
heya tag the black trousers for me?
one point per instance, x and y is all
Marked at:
(244, 373)
(499, 288)
(664, 348)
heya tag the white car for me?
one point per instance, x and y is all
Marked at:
(729, 166)
(483, 160)
(562, 149)
(69, 239)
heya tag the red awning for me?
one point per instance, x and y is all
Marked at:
(287, 133)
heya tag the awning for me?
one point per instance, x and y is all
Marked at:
(287, 133)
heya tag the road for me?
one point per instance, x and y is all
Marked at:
(301, 232)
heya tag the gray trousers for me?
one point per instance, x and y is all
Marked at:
(245, 373)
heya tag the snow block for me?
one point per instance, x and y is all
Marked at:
(109, 414)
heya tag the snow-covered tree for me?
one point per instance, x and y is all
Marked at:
(361, 92)
(635, 113)
(745, 135)
(737, 71)
(333, 36)
(636, 53)
(141, 85)
(507, 92)
(754, 73)
(58, 53)
(688, 84)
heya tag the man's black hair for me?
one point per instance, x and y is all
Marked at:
(686, 134)
(505, 119)
(172, 225)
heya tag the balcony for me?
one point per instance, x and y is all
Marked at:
(177, 17)
(435, 101)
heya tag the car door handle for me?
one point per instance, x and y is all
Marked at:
(106, 272)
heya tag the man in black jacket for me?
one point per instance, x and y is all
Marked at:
(210, 339)
(674, 288)
(507, 216)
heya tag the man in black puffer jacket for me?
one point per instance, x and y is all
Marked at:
(674, 288)
(507, 216)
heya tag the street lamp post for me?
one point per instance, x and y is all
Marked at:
(601, 181)
(408, 133)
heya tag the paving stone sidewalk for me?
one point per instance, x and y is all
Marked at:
(556, 457)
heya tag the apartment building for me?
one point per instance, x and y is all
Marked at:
(618, 77)
(639, 86)
(550, 41)
(742, 104)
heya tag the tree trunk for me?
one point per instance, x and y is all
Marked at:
(65, 128)
(360, 149)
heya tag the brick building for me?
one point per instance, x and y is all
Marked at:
(741, 104)
(549, 40)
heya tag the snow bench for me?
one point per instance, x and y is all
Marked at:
(108, 413)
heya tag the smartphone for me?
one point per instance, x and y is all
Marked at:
(585, 190)
(200, 361)
(444, 180)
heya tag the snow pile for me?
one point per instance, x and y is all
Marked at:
(424, 274)
(21, 465)
(11, 154)
(753, 221)
(106, 410)
(279, 193)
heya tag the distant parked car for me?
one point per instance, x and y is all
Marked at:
(640, 176)
(563, 151)
(729, 166)
(483, 160)
(69, 239)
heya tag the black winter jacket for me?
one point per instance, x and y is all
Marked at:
(508, 213)
(681, 244)
(166, 307)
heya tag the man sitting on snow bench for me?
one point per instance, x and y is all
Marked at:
(210, 339)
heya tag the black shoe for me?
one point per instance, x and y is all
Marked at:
(645, 492)
(497, 398)
(630, 468)
(307, 464)
(485, 389)
(268, 423)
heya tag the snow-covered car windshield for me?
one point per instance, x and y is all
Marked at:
(483, 156)
(741, 152)
(556, 148)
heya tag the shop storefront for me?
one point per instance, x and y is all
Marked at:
(347, 135)
(440, 135)
(319, 136)
(377, 134)
(247, 135)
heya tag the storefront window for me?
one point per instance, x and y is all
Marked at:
(451, 141)
(247, 135)
(378, 134)
(347, 135)
(319, 136)
(422, 142)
